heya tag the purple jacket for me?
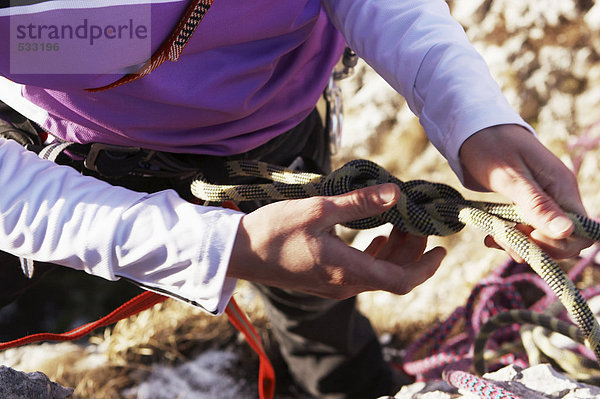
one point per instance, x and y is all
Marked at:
(252, 70)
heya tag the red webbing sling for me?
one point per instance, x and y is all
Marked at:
(237, 317)
(266, 373)
(139, 303)
(266, 376)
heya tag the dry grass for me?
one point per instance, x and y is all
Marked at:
(170, 332)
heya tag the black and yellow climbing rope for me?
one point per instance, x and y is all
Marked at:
(424, 208)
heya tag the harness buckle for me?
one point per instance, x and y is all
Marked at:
(113, 152)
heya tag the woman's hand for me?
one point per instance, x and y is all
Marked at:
(289, 244)
(509, 160)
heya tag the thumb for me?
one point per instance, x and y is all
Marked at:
(361, 203)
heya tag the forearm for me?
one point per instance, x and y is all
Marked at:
(425, 55)
(51, 213)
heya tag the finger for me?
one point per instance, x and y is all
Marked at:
(559, 185)
(560, 249)
(490, 242)
(352, 271)
(540, 210)
(519, 167)
(402, 279)
(403, 247)
(558, 181)
(396, 239)
(525, 230)
(358, 204)
(376, 245)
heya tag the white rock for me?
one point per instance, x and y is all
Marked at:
(592, 18)
(537, 382)
(535, 13)
(588, 107)
(205, 377)
(366, 106)
(469, 12)
(544, 378)
(426, 390)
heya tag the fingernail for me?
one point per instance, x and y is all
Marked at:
(560, 225)
(387, 194)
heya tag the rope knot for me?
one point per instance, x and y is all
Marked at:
(424, 208)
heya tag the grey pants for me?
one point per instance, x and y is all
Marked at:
(330, 348)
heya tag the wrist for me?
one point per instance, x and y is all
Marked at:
(491, 155)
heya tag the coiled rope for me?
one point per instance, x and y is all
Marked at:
(424, 208)
(493, 315)
(478, 386)
(520, 316)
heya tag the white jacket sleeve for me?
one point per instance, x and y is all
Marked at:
(52, 213)
(423, 53)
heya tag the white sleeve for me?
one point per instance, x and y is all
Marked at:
(52, 213)
(423, 53)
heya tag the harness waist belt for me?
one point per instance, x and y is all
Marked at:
(111, 161)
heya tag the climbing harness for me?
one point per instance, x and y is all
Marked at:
(424, 208)
(266, 373)
(122, 165)
(146, 300)
(141, 302)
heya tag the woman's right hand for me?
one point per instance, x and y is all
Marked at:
(289, 244)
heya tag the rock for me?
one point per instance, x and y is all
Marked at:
(471, 12)
(213, 374)
(18, 385)
(542, 379)
(588, 106)
(426, 390)
(592, 18)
